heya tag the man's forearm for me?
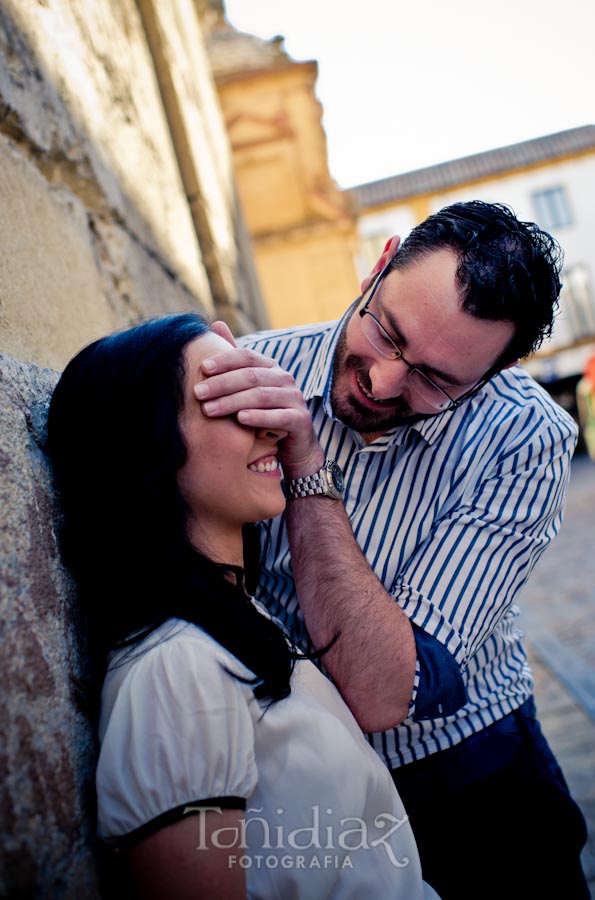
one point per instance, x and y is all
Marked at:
(373, 660)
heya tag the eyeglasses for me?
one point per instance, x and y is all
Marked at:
(430, 392)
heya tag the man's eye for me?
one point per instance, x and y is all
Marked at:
(385, 337)
(438, 382)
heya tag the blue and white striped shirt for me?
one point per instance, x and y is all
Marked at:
(452, 513)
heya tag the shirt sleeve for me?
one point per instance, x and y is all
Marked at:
(465, 576)
(179, 732)
(438, 687)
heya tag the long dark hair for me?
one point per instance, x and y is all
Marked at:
(116, 447)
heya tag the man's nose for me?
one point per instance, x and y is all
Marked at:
(388, 378)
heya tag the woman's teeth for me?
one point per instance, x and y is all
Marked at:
(264, 466)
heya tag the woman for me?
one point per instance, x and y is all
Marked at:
(229, 766)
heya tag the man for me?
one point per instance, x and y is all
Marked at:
(452, 471)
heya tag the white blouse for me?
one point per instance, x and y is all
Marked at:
(323, 818)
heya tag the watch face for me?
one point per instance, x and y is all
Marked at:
(337, 476)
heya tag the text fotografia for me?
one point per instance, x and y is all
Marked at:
(254, 832)
(287, 861)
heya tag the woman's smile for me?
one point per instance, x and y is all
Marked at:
(266, 464)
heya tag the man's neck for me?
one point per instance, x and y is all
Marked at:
(371, 436)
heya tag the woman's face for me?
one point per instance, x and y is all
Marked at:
(231, 475)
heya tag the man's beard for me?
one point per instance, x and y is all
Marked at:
(347, 408)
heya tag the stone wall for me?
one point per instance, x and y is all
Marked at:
(117, 193)
(47, 750)
(117, 202)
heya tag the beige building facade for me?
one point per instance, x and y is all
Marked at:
(303, 228)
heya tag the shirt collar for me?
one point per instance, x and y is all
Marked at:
(432, 429)
(429, 430)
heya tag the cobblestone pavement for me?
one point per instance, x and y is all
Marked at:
(558, 617)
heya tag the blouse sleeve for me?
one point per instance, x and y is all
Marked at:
(179, 732)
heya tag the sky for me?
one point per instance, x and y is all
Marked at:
(410, 83)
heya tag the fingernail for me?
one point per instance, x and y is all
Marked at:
(209, 408)
(200, 390)
(208, 364)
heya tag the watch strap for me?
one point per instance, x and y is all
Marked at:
(319, 483)
(306, 486)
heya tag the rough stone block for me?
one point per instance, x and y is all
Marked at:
(80, 79)
(51, 300)
(47, 747)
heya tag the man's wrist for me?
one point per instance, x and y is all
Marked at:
(302, 468)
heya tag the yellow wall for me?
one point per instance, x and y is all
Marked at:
(308, 277)
(303, 230)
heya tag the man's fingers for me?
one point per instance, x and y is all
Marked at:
(261, 394)
(236, 358)
(288, 420)
(238, 380)
(261, 397)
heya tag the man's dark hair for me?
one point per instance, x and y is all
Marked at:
(508, 270)
(116, 447)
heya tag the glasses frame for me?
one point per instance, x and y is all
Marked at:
(397, 353)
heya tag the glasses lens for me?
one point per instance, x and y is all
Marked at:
(429, 392)
(378, 337)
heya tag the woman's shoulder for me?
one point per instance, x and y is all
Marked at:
(176, 726)
(177, 660)
(175, 639)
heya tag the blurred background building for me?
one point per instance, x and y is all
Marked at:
(303, 228)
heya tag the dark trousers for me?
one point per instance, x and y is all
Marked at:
(493, 816)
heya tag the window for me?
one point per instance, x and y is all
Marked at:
(577, 306)
(552, 208)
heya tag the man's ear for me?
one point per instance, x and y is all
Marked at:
(220, 328)
(390, 248)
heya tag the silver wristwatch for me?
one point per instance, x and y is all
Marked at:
(328, 481)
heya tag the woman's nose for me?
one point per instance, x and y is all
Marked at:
(388, 378)
(272, 435)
